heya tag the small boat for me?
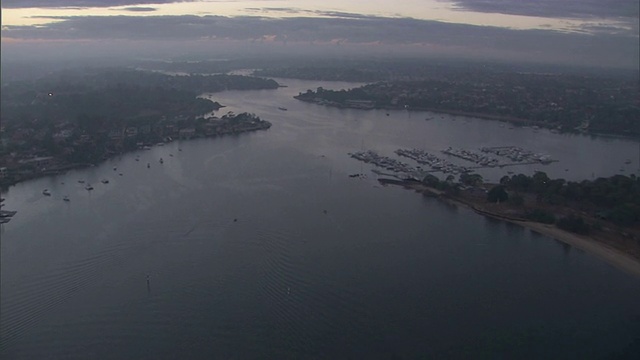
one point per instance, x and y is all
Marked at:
(88, 187)
(120, 174)
(7, 213)
(46, 192)
(283, 108)
(161, 161)
(137, 159)
(171, 155)
(81, 181)
(104, 181)
(115, 168)
(66, 198)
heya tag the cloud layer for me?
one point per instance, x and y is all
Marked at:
(14, 4)
(554, 8)
(349, 27)
(606, 46)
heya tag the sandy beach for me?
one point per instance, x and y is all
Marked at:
(590, 244)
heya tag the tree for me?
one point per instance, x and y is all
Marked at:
(574, 224)
(497, 194)
(431, 180)
(625, 214)
(542, 216)
(520, 182)
(471, 179)
(516, 200)
(540, 181)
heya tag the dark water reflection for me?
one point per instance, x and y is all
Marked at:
(261, 246)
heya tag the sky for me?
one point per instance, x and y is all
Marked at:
(592, 32)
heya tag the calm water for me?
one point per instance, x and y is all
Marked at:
(261, 246)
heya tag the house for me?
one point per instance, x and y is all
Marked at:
(132, 131)
(360, 104)
(62, 135)
(116, 135)
(187, 133)
(38, 163)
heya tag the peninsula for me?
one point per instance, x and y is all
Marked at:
(561, 102)
(601, 217)
(78, 118)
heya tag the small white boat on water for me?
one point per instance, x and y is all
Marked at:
(66, 198)
(46, 192)
(88, 187)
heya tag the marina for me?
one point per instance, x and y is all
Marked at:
(468, 155)
(435, 163)
(518, 154)
(385, 162)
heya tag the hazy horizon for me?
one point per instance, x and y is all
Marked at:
(570, 32)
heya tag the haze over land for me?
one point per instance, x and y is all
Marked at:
(228, 179)
(591, 33)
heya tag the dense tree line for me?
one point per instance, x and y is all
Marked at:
(115, 92)
(323, 73)
(594, 104)
(616, 198)
(101, 78)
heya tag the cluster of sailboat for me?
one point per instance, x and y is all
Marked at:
(434, 162)
(6, 215)
(88, 187)
(518, 154)
(480, 159)
(388, 163)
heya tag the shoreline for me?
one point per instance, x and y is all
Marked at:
(501, 118)
(588, 244)
(67, 167)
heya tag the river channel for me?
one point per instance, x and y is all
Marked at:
(260, 246)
